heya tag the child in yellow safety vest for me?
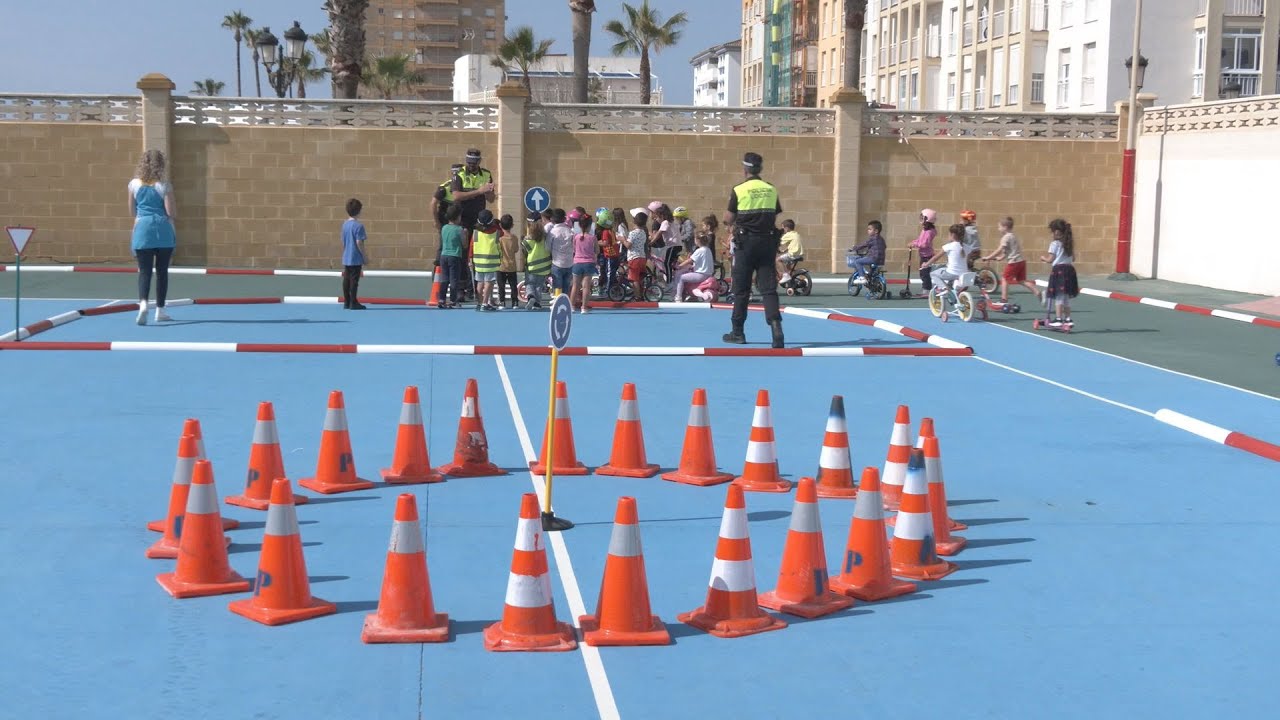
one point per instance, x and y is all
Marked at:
(486, 256)
(537, 257)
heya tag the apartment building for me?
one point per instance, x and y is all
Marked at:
(717, 75)
(610, 80)
(779, 53)
(1236, 45)
(434, 33)
(754, 47)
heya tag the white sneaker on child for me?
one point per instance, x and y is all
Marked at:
(142, 312)
(162, 316)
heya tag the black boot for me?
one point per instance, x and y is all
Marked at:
(776, 327)
(735, 336)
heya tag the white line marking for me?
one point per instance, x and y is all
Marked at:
(605, 703)
(1039, 336)
(1069, 388)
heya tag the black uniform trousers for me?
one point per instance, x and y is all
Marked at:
(755, 255)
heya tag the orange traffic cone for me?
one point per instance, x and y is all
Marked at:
(865, 572)
(912, 551)
(410, 464)
(202, 568)
(529, 616)
(698, 456)
(915, 466)
(182, 480)
(471, 451)
(628, 457)
(623, 615)
(436, 279)
(946, 543)
(802, 582)
(282, 592)
(926, 430)
(171, 526)
(732, 609)
(760, 472)
(336, 466)
(835, 476)
(266, 463)
(406, 612)
(566, 456)
(895, 464)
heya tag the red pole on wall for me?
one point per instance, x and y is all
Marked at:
(1125, 240)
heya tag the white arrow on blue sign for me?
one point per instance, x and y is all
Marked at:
(537, 199)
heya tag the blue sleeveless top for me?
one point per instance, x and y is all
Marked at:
(152, 228)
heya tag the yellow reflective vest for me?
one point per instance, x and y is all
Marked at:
(485, 253)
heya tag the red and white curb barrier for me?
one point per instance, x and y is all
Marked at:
(1222, 436)
(220, 271)
(1180, 307)
(60, 319)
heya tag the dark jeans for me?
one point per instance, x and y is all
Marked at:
(506, 279)
(350, 283)
(756, 255)
(608, 274)
(451, 285)
(160, 258)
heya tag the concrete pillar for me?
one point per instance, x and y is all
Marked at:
(849, 106)
(157, 113)
(513, 120)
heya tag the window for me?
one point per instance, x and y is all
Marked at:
(997, 77)
(1241, 64)
(1088, 62)
(951, 32)
(489, 35)
(1197, 66)
(1064, 77)
(1090, 10)
(466, 12)
(915, 90)
(397, 35)
(1039, 15)
(1067, 12)
(951, 91)
(1015, 73)
(902, 90)
(489, 12)
(398, 14)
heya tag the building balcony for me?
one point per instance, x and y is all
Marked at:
(1037, 88)
(966, 103)
(968, 33)
(1039, 15)
(915, 48)
(1245, 8)
(980, 99)
(1197, 85)
(1246, 82)
(933, 45)
(997, 24)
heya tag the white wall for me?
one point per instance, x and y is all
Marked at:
(1205, 208)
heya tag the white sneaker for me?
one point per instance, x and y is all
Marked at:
(786, 278)
(162, 316)
(142, 312)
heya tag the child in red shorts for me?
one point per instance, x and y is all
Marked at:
(1015, 269)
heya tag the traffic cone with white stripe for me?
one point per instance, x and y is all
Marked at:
(732, 608)
(895, 464)
(623, 615)
(410, 464)
(282, 592)
(946, 543)
(865, 572)
(802, 582)
(915, 466)
(471, 450)
(336, 466)
(529, 615)
(926, 430)
(760, 472)
(436, 281)
(182, 481)
(835, 475)
(406, 612)
(698, 455)
(266, 463)
(566, 455)
(628, 457)
(202, 568)
(913, 551)
(167, 545)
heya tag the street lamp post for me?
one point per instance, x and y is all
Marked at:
(285, 69)
(1137, 72)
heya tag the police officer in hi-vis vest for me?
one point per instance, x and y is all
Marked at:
(440, 202)
(472, 187)
(752, 217)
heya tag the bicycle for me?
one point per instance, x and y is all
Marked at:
(874, 281)
(946, 300)
(800, 282)
(623, 290)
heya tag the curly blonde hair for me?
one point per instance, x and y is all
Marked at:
(151, 166)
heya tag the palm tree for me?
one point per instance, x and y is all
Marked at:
(324, 46)
(251, 36)
(854, 20)
(389, 75)
(237, 22)
(581, 13)
(208, 86)
(520, 49)
(643, 30)
(346, 32)
(308, 72)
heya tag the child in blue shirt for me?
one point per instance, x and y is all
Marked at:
(354, 255)
(872, 251)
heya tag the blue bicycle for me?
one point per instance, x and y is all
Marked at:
(874, 280)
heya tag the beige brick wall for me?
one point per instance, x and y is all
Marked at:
(1032, 181)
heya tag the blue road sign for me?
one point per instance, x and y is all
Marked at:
(561, 321)
(537, 199)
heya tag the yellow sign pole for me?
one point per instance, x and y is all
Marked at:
(551, 431)
(559, 337)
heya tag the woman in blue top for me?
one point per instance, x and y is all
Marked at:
(151, 204)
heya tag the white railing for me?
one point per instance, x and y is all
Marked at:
(1086, 91)
(1248, 83)
(951, 44)
(966, 101)
(893, 54)
(1015, 16)
(980, 99)
(1261, 112)
(968, 33)
(250, 112)
(1013, 93)
(1245, 8)
(1197, 84)
(933, 45)
(681, 119)
(884, 54)
(1026, 126)
(915, 48)
(1040, 14)
(1037, 88)
(997, 24)
(47, 108)
(1064, 92)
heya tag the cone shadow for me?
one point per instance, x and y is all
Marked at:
(766, 515)
(958, 503)
(259, 524)
(656, 520)
(469, 627)
(327, 578)
(236, 547)
(326, 499)
(351, 606)
(976, 564)
(953, 582)
(996, 542)
(990, 521)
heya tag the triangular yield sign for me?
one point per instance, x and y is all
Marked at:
(19, 237)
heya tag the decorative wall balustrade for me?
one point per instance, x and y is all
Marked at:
(1254, 112)
(1025, 126)
(44, 108)
(681, 119)
(410, 114)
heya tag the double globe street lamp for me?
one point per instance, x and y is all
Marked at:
(282, 70)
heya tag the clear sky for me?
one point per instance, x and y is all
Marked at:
(104, 46)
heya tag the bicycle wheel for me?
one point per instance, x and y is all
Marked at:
(723, 286)
(522, 292)
(617, 293)
(876, 288)
(987, 280)
(936, 303)
(854, 288)
(653, 292)
(802, 284)
(965, 306)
